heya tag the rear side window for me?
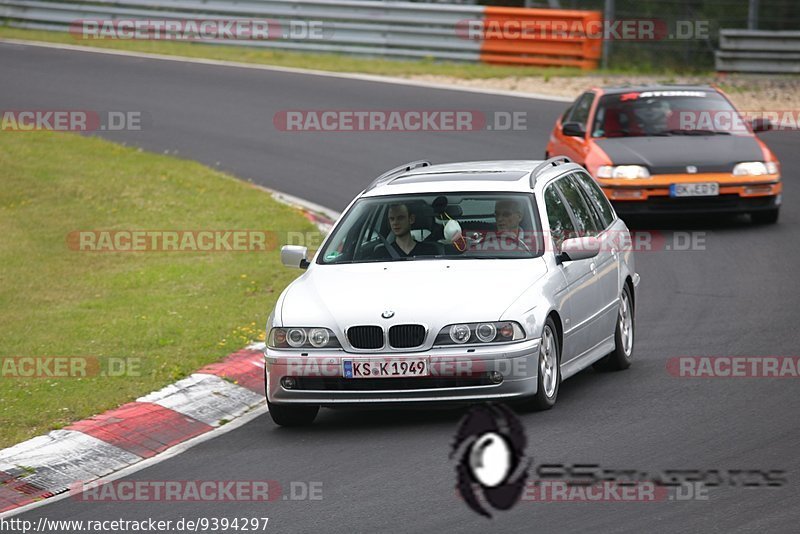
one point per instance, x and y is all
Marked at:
(584, 216)
(597, 197)
(561, 226)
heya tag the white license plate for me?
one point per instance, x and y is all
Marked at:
(386, 368)
(706, 189)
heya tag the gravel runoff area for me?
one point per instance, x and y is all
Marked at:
(748, 92)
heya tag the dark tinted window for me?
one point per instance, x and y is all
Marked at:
(667, 112)
(580, 111)
(584, 216)
(597, 197)
(567, 112)
(561, 226)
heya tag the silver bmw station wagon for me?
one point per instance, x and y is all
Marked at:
(462, 282)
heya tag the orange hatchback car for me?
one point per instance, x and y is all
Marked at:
(671, 150)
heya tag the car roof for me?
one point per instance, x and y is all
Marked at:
(617, 89)
(496, 175)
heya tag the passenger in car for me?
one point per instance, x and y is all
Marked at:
(401, 219)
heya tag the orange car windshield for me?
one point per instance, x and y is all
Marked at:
(667, 113)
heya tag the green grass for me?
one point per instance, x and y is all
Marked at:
(175, 311)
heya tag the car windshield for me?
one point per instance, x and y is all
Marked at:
(666, 113)
(436, 226)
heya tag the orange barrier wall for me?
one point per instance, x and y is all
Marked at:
(547, 37)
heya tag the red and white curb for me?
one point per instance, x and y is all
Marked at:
(85, 451)
(138, 433)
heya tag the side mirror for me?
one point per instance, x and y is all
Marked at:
(573, 129)
(761, 124)
(294, 256)
(578, 248)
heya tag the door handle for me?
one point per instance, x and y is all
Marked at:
(593, 267)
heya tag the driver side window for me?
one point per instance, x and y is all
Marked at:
(580, 111)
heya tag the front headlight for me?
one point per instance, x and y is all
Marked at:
(302, 338)
(624, 172)
(755, 168)
(488, 332)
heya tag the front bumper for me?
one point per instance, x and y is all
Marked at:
(736, 194)
(456, 376)
(696, 205)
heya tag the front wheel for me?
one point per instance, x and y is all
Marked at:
(549, 372)
(622, 355)
(292, 414)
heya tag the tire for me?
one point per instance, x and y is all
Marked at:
(548, 375)
(624, 337)
(765, 217)
(292, 415)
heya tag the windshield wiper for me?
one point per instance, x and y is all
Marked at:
(485, 257)
(699, 132)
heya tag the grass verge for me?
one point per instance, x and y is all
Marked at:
(172, 312)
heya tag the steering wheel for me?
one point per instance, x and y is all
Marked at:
(522, 242)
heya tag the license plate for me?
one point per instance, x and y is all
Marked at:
(706, 189)
(386, 368)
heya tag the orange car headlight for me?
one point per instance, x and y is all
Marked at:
(624, 172)
(755, 168)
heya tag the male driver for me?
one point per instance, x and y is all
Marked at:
(650, 117)
(508, 216)
(401, 220)
(509, 236)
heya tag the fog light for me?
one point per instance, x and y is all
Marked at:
(620, 194)
(758, 190)
(496, 377)
(288, 382)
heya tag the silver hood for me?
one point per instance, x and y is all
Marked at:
(430, 292)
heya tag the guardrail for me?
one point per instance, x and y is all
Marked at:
(376, 28)
(757, 51)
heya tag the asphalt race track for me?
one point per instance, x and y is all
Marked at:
(388, 471)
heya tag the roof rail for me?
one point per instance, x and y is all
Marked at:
(385, 177)
(552, 162)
